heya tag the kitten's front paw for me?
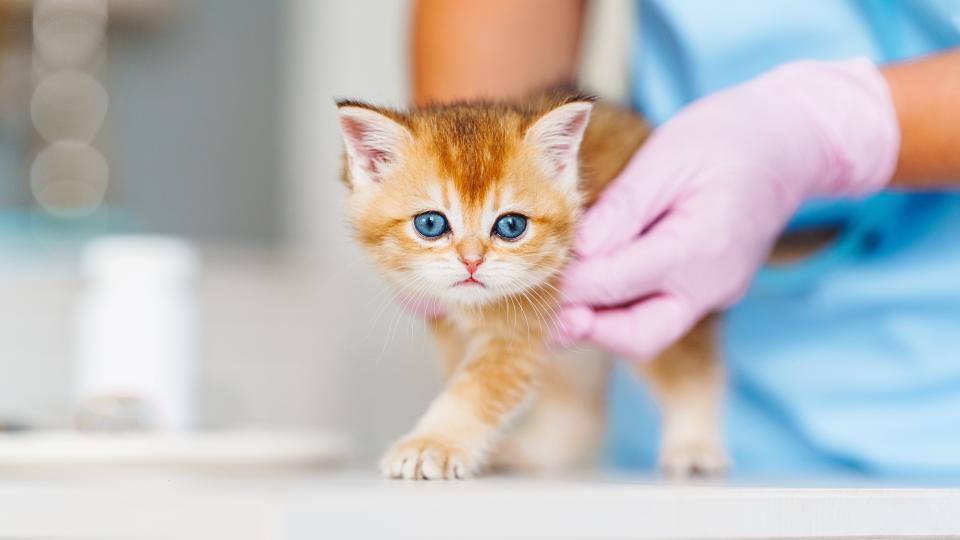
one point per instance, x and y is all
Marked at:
(693, 457)
(427, 458)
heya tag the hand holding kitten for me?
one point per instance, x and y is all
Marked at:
(682, 230)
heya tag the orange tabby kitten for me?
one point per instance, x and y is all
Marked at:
(474, 206)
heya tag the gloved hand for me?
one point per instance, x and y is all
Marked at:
(682, 230)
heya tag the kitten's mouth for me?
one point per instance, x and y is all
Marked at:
(469, 281)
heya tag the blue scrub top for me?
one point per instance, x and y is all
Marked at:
(848, 362)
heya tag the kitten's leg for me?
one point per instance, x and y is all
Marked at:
(454, 436)
(563, 427)
(687, 381)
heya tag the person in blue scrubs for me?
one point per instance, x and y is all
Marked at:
(848, 361)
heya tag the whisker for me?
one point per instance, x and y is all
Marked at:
(415, 285)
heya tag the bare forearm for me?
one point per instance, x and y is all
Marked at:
(926, 94)
(492, 48)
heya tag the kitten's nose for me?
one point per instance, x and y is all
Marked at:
(471, 263)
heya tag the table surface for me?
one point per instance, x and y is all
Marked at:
(130, 504)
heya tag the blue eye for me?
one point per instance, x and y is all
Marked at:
(510, 226)
(430, 224)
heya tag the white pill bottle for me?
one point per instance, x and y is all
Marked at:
(136, 335)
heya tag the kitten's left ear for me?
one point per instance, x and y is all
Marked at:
(557, 136)
(373, 141)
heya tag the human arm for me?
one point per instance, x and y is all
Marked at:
(466, 49)
(926, 95)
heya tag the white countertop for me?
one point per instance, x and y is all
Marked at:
(133, 504)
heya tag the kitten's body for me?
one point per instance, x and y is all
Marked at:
(509, 400)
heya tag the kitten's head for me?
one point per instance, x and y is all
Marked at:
(465, 203)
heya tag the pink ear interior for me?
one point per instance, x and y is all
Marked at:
(559, 132)
(370, 151)
(568, 140)
(373, 141)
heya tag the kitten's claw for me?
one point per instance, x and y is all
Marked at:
(427, 458)
(693, 458)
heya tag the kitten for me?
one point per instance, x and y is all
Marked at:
(473, 206)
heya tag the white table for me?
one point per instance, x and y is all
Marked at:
(152, 504)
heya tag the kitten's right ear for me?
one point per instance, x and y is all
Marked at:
(373, 141)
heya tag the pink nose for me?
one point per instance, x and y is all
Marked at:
(472, 264)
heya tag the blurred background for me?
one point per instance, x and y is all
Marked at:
(206, 129)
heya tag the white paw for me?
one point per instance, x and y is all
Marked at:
(693, 457)
(427, 458)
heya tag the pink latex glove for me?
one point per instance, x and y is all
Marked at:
(693, 215)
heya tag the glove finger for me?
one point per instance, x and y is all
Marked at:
(624, 209)
(572, 324)
(643, 330)
(632, 272)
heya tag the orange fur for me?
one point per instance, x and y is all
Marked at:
(474, 162)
